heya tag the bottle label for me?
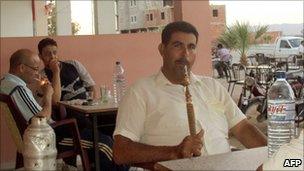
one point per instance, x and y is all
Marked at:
(281, 111)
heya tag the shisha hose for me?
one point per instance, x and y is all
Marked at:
(189, 105)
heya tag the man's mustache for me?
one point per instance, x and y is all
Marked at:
(182, 61)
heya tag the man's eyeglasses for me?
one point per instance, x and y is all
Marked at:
(33, 68)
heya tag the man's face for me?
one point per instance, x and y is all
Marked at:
(47, 54)
(180, 51)
(30, 69)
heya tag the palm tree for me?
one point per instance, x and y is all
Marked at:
(267, 38)
(51, 20)
(239, 36)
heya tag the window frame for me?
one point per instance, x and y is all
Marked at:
(215, 12)
(162, 15)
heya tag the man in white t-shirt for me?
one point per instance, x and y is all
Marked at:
(152, 122)
(225, 59)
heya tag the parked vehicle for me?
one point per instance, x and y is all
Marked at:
(283, 47)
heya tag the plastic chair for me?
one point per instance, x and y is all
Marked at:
(17, 125)
(262, 59)
(235, 76)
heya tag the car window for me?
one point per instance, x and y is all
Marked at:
(284, 44)
(295, 42)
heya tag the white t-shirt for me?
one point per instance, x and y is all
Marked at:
(153, 112)
(292, 150)
(224, 54)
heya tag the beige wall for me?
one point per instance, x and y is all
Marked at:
(218, 24)
(198, 13)
(16, 18)
(137, 52)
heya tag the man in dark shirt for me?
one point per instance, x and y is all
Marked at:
(69, 78)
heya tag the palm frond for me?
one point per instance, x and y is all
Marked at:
(239, 36)
(260, 30)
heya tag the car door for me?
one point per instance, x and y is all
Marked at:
(284, 49)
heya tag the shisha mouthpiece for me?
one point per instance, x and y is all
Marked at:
(186, 70)
(186, 78)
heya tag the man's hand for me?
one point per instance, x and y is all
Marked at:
(126, 151)
(47, 90)
(54, 65)
(190, 146)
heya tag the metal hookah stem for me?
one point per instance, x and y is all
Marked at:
(189, 105)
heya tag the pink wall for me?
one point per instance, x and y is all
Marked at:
(98, 54)
(137, 52)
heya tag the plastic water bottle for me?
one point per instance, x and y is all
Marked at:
(119, 83)
(281, 113)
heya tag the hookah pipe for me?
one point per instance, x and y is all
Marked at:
(189, 105)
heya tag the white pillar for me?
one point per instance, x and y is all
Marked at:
(95, 5)
(106, 17)
(16, 19)
(41, 18)
(64, 19)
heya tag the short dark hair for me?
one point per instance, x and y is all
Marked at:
(178, 26)
(45, 42)
(219, 46)
(19, 57)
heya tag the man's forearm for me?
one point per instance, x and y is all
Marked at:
(128, 152)
(249, 135)
(56, 84)
(94, 90)
(46, 109)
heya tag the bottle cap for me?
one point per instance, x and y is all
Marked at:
(280, 74)
(117, 62)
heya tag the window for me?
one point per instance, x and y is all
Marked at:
(151, 17)
(147, 17)
(162, 15)
(116, 15)
(167, 3)
(133, 2)
(133, 19)
(284, 44)
(81, 26)
(215, 13)
(295, 42)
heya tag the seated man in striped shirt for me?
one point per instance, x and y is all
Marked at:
(24, 69)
